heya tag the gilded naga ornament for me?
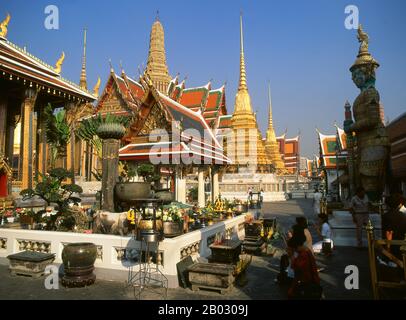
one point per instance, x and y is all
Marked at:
(372, 144)
(4, 25)
(58, 65)
(96, 88)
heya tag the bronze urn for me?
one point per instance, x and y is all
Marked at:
(78, 261)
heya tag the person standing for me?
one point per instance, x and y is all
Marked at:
(359, 208)
(301, 222)
(249, 193)
(324, 231)
(261, 196)
(316, 201)
(306, 282)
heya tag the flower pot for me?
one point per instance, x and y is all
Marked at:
(10, 219)
(129, 191)
(26, 220)
(78, 261)
(172, 229)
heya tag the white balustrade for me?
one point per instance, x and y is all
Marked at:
(115, 253)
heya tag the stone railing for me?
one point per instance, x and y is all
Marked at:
(190, 250)
(3, 243)
(115, 254)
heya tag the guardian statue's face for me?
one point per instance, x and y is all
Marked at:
(359, 78)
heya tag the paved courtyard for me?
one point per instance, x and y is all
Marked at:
(261, 273)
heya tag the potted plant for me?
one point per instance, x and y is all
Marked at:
(54, 190)
(172, 221)
(10, 216)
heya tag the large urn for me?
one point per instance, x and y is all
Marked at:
(78, 261)
(129, 191)
(165, 195)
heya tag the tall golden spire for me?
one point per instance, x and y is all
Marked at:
(83, 78)
(271, 144)
(270, 120)
(243, 100)
(243, 75)
(248, 146)
(156, 65)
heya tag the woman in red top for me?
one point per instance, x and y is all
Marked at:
(306, 284)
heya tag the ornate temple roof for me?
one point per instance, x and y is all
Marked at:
(330, 151)
(17, 63)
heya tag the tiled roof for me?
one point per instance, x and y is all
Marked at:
(195, 97)
(20, 63)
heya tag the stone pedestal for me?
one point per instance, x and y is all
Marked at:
(227, 252)
(211, 276)
(29, 263)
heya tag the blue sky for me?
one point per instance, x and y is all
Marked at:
(302, 47)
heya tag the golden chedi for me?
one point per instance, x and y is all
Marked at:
(157, 68)
(271, 145)
(247, 145)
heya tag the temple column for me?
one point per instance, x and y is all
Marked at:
(3, 125)
(27, 134)
(70, 148)
(9, 152)
(180, 187)
(42, 144)
(216, 187)
(200, 188)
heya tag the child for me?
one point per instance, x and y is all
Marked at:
(325, 234)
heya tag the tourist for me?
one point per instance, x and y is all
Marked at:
(250, 193)
(324, 231)
(359, 208)
(306, 282)
(261, 197)
(394, 222)
(302, 223)
(316, 201)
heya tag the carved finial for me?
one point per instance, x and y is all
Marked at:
(58, 65)
(157, 16)
(363, 39)
(4, 25)
(121, 68)
(111, 66)
(96, 88)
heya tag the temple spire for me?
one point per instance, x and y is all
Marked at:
(243, 75)
(270, 120)
(157, 69)
(83, 78)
